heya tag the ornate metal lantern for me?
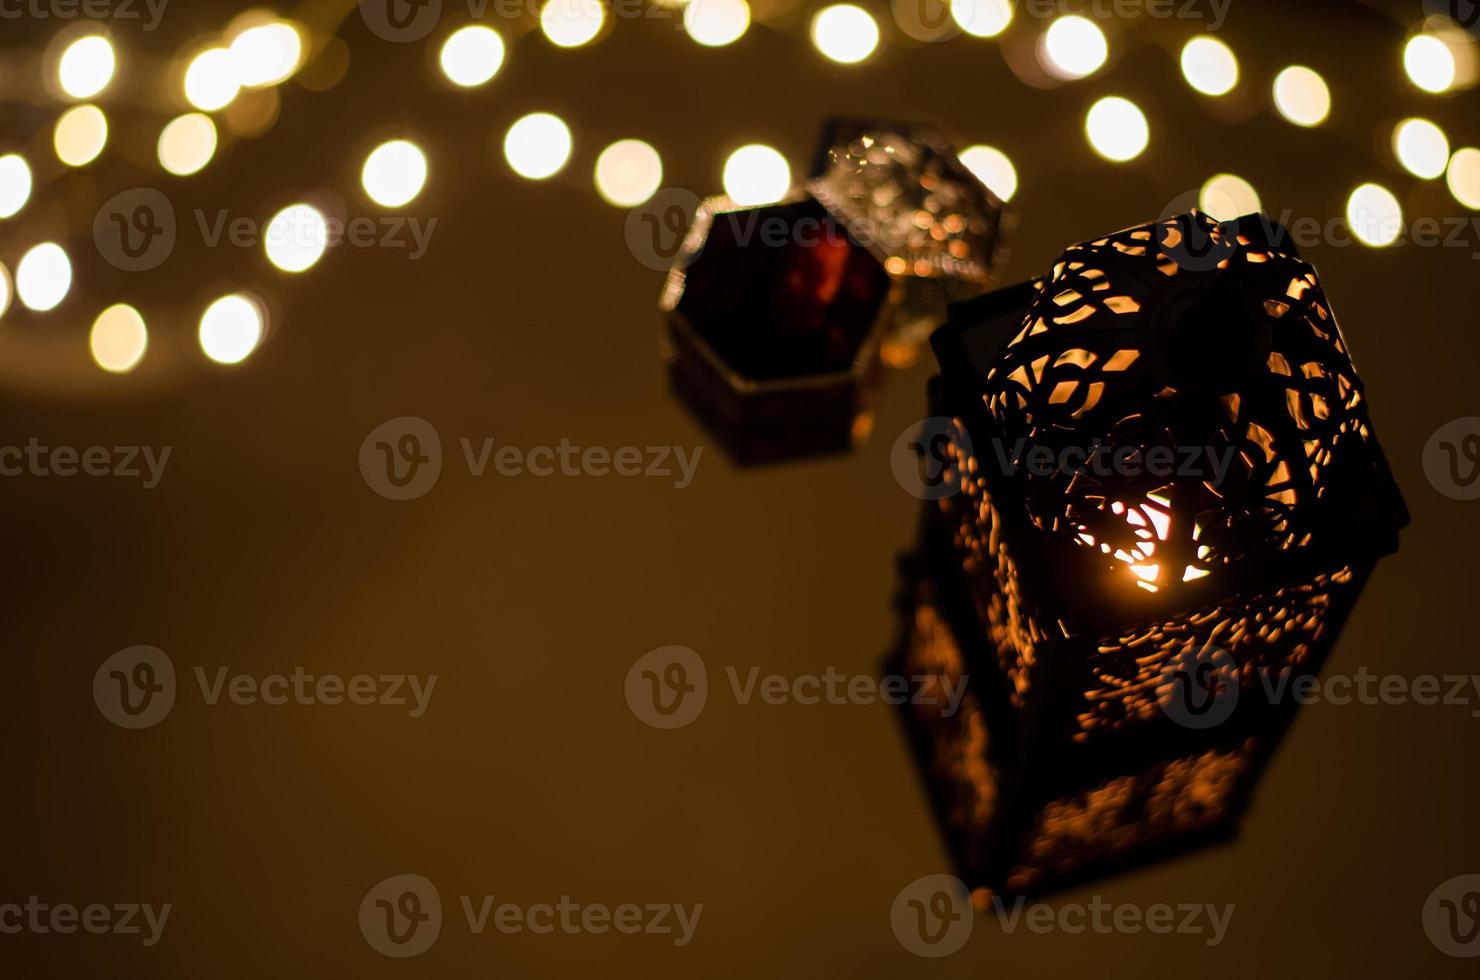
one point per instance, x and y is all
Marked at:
(779, 317)
(1168, 493)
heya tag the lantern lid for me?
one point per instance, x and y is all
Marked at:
(1178, 402)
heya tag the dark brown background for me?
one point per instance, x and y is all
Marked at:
(530, 321)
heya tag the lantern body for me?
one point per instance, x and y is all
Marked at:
(774, 317)
(1168, 496)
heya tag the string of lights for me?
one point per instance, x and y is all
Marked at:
(259, 52)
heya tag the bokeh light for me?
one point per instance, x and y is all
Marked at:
(394, 173)
(119, 339)
(572, 23)
(1464, 177)
(1228, 196)
(81, 135)
(267, 54)
(844, 33)
(231, 329)
(1429, 63)
(993, 168)
(628, 172)
(715, 23)
(1421, 147)
(1374, 215)
(86, 66)
(44, 277)
(1301, 96)
(1074, 47)
(1117, 129)
(1210, 66)
(538, 145)
(982, 18)
(756, 174)
(296, 238)
(5, 290)
(15, 184)
(472, 55)
(211, 80)
(187, 144)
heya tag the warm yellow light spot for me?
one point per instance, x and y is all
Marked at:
(296, 238)
(982, 18)
(756, 174)
(1421, 147)
(267, 54)
(86, 66)
(844, 33)
(5, 290)
(628, 172)
(394, 173)
(472, 55)
(230, 329)
(1301, 96)
(1375, 216)
(1117, 129)
(538, 145)
(15, 184)
(1191, 574)
(119, 339)
(44, 277)
(1429, 63)
(1226, 196)
(1209, 66)
(211, 81)
(1464, 177)
(187, 144)
(80, 135)
(715, 23)
(1074, 47)
(1146, 573)
(993, 168)
(572, 23)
